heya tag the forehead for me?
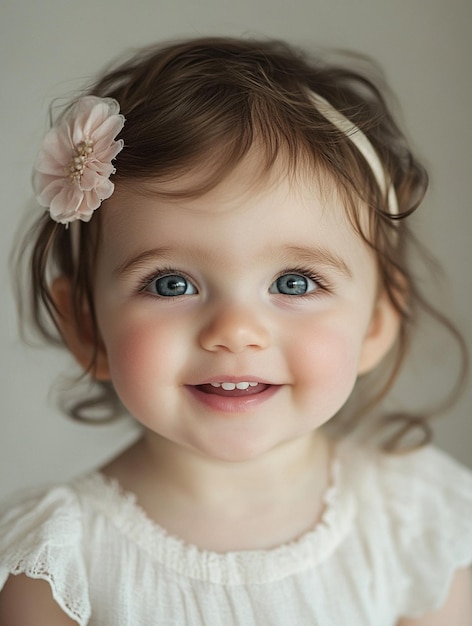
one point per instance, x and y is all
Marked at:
(245, 217)
(245, 189)
(250, 180)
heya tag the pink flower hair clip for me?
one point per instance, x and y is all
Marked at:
(73, 169)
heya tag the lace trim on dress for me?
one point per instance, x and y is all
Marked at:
(40, 554)
(231, 568)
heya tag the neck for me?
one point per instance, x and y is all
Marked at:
(230, 505)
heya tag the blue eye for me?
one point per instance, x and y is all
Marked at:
(293, 285)
(171, 285)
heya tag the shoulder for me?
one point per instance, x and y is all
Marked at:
(426, 486)
(407, 483)
(430, 465)
(39, 519)
(41, 553)
(417, 508)
(457, 609)
(427, 496)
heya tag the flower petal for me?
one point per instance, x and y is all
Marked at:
(50, 189)
(110, 153)
(105, 189)
(104, 135)
(55, 153)
(66, 203)
(92, 199)
(92, 112)
(84, 139)
(90, 179)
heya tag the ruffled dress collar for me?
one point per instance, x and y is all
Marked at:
(108, 499)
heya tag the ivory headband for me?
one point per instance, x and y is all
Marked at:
(357, 137)
(348, 128)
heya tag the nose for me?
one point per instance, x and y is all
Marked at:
(234, 329)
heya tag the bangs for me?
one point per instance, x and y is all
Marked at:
(209, 142)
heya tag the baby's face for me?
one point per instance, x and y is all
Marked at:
(236, 321)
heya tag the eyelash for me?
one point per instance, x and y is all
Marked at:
(322, 284)
(146, 281)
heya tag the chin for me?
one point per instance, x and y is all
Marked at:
(237, 449)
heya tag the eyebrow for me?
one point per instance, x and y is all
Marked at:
(290, 254)
(141, 260)
(319, 256)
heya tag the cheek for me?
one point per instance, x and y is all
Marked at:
(326, 358)
(143, 356)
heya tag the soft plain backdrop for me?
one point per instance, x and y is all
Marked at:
(48, 48)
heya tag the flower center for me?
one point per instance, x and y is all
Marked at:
(75, 167)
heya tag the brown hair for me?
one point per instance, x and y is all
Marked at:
(207, 102)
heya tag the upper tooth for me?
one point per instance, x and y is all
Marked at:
(227, 386)
(242, 385)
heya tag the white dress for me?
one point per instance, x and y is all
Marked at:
(394, 531)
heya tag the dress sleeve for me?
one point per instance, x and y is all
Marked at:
(41, 536)
(431, 502)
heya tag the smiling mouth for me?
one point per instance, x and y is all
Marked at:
(233, 389)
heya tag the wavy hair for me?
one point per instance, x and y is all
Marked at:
(204, 103)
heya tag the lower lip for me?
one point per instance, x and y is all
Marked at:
(238, 404)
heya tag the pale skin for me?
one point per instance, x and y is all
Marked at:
(213, 460)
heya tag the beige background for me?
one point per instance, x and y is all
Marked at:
(49, 47)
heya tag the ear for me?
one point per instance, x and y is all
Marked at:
(381, 334)
(77, 330)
